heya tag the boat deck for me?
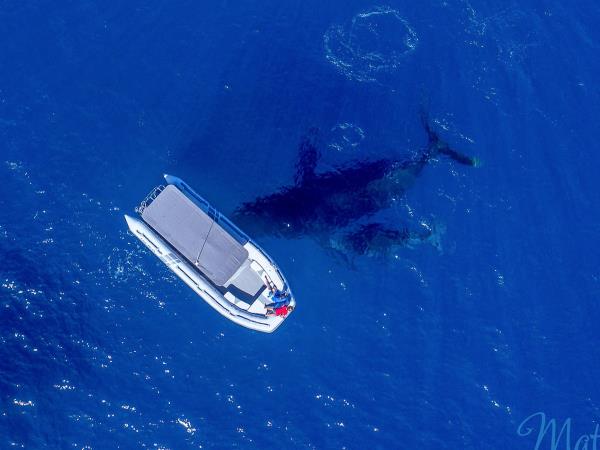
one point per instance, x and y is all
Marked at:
(195, 234)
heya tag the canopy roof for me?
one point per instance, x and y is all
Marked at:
(195, 235)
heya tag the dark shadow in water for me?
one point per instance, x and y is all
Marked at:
(328, 206)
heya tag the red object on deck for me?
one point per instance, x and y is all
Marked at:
(281, 311)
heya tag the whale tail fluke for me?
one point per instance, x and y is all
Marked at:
(436, 146)
(460, 158)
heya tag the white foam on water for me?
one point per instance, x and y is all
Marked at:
(187, 425)
(345, 136)
(374, 42)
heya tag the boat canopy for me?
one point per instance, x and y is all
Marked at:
(195, 234)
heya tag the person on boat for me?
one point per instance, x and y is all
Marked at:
(280, 311)
(278, 298)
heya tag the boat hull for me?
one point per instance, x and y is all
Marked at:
(190, 276)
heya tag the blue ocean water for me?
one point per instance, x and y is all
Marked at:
(452, 347)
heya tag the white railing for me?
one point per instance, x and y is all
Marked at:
(149, 199)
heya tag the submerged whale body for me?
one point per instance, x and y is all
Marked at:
(330, 206)
(377, 239)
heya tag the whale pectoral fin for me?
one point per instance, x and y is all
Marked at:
(308, 156)
(342, 257)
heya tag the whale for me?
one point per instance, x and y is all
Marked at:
(334, 207)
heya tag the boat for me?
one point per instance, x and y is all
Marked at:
(226, 268)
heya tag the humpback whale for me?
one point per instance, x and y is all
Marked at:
(332, 206)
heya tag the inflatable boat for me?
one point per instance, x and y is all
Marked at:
(212, 256)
